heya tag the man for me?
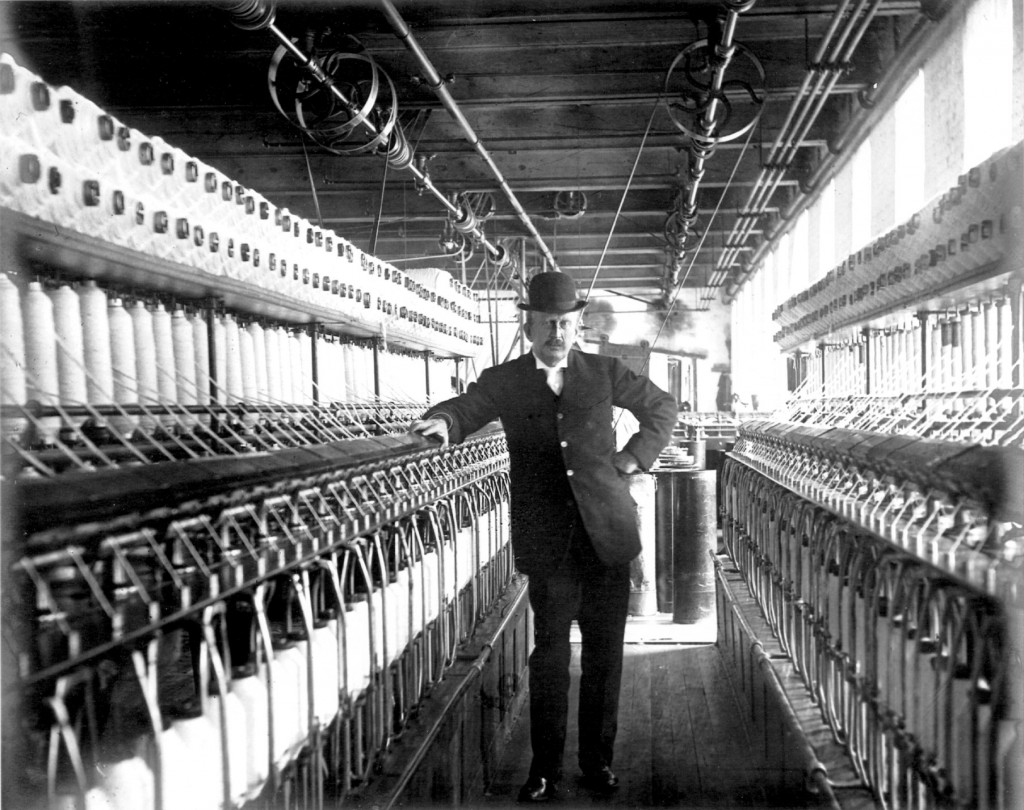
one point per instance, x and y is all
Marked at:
(573, 521)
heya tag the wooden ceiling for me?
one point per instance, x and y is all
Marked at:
(560, 93)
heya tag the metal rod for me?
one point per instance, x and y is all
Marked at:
(435, 82)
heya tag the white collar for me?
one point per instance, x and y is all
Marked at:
(563, 363)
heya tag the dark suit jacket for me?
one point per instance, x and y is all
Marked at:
(561, 448)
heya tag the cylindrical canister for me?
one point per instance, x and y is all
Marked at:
(667, 521)
(642, 598)
(693, 573)
(698, 449)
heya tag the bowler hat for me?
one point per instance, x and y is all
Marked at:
(553, 292)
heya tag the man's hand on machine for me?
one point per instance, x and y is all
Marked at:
(431, 428)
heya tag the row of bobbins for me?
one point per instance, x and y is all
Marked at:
(78, 167)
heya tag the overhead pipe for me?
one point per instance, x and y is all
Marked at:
(702, 143)
(799, 118)
(436, 83)
(920, 43)
(257, 15)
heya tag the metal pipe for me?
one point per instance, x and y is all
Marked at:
(919, 44)
(435, 82)
(771, 175)
(266, 8)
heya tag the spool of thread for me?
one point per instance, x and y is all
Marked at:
(350, 365)
(248, 361)
(252, 692)
(176, 787)
(232, 360)
(167, 386)
(368, 385)
(67, 319)
(202, 357)
(247, 349)
(306, 367)
(336, 372)
(96, 342)
(145, 360)
(183, 342)
(295, 367)
(219, 366)
(122, 358)
(42, 379)
(274, 371)
(324, 358)
(259, 348)
(12, 356)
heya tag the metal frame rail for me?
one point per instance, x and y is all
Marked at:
(896, 591)
(341, 595)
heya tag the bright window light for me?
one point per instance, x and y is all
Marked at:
(909, 111)
(861, 198)
(988, 79)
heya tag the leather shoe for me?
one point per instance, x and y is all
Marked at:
(601, 779)
(537, 789)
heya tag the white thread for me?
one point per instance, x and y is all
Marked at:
(122, 358)
(200, 337)
(274, 373)
(12, 355)
(248, 354)
(67, 318)
(145, 360)
(306, 367)
(295, 367)
(167, 386)
(184, 345)
(259, 346)
(233, 360)
(96, 343)
(219, 366)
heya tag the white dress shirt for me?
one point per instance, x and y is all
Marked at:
(555, 374)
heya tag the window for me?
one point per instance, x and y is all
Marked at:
(988, 79)
(909, 111)
(860, 223)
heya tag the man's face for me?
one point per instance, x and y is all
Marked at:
(552, 334)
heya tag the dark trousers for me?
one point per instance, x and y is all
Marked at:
(598, 598)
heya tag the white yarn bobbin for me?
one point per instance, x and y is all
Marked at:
(96, 344)
(259, 347)
(12, 356)
(219, 363)
(324, 383)
(248, 360)
(184, 345)
(67, 319)
(145, 360)
(200, 340)
(295, 367)
(250, 381)
(306, 367)
(122, 358)
(42, 377)
(167, 386)
(348, 352)
(233, 360)
(274, 370)
(367, 383)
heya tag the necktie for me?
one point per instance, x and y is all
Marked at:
(554, 376)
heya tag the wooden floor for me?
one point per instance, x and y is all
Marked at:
(683, 740)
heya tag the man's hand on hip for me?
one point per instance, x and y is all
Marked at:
(431, 428)
(625, 462)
